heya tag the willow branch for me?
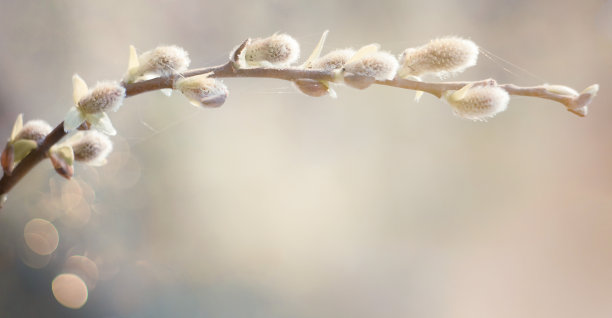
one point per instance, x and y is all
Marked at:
(230, 70)
(293, 74)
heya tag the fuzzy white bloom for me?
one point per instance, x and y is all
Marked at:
(164, 60)
(379, 65)
(333, 60)
(442, 57)
(276, 50)
(91, 147)
(161, 61)
(35, 130)
(478, 102)
(327, 63)
(91, 105)
(103, 97)
(23, 139)
(312, 87)
(201, 90)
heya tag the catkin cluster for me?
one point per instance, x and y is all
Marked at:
(442, 57)
(355, 68)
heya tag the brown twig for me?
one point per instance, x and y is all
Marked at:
(229, 70)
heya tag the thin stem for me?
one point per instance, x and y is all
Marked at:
(229, 70)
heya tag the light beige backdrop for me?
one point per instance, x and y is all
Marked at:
(282, 205)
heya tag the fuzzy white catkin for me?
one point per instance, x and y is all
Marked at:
(34, 130)
(103, 97)
(332, 60)
(440, 56)
(93, 146)
(379, 65)
(278, 49)
(480, 103)
(311, 87)
(164, 61)
(203, 91)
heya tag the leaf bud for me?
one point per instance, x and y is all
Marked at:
(7, 159)
(579, 105)
(62, 159)
(561, 90)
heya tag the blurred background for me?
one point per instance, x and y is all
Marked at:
(283, 205)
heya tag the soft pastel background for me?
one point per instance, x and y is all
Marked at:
(282, 205)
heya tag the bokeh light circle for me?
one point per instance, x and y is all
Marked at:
(69, 290)
(41, 236)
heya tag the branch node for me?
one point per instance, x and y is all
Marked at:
(235, 56)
